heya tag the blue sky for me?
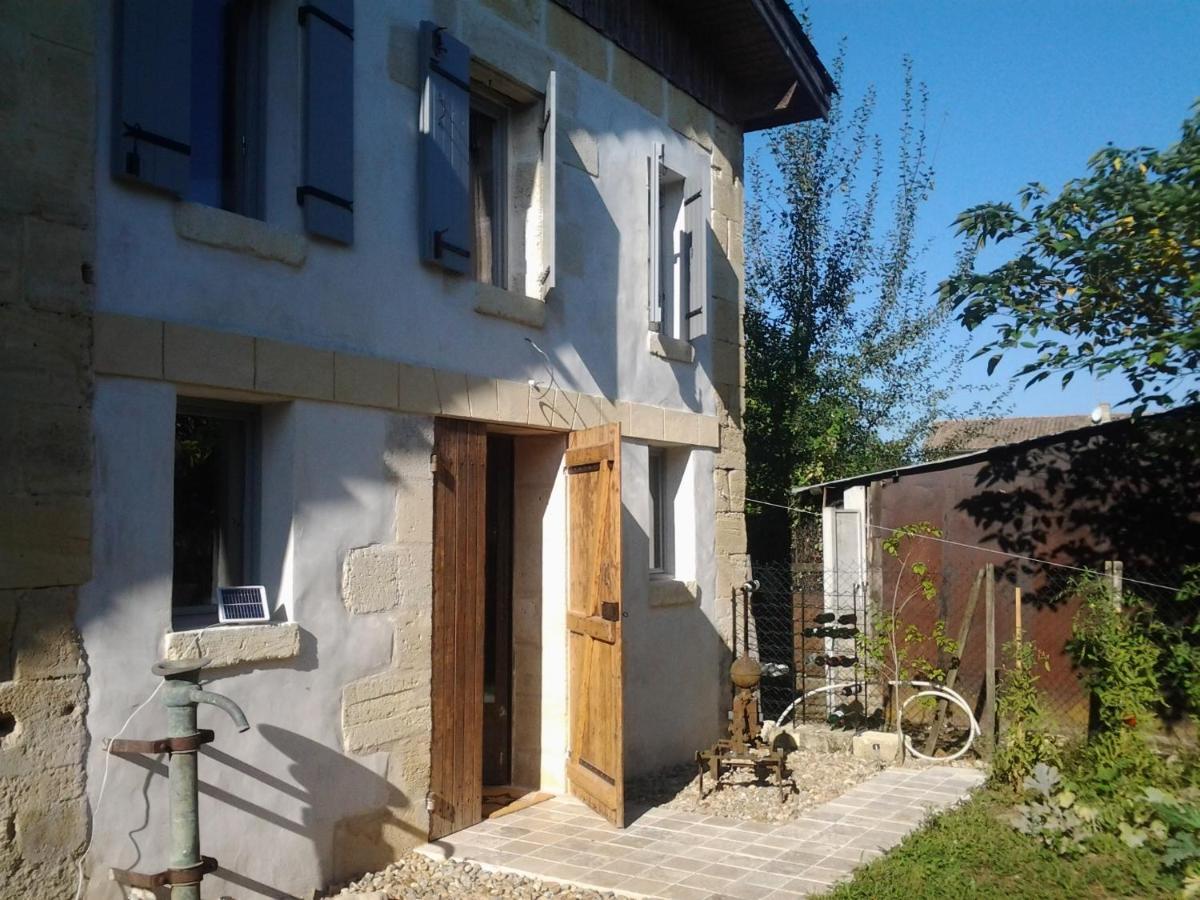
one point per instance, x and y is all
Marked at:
(1019, 91)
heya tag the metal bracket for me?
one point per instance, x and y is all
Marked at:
(167, 877)
(440, 244)
(187, 744)
(307, 190)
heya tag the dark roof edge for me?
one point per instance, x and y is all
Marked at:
(951, 462)
(811, 73)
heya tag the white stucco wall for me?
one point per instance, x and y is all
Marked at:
(674, 705)
(375, 297)
(271, 797)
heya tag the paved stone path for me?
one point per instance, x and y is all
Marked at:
(680, 856)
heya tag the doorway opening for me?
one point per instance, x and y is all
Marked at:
(497, 628)
(521, 472)
(499, 687)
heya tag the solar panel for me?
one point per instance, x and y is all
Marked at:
(243, 603)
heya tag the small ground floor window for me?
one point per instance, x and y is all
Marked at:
(215, 501)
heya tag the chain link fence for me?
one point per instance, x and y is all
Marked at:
(822, 637)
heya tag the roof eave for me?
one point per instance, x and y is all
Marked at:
(809, 96)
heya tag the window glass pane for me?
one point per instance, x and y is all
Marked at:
(209, 91)
(657, 513)
(225, 113)
(210, 500)
(485, 177)
(670, 248)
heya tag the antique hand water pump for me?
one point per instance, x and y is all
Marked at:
(181, 695)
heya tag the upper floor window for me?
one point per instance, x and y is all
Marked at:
(677, 213)
(188, 112)
(227, 105)
(478, 127)
(488, 137)
(670, 294)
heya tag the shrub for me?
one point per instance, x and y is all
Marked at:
(1024, 742)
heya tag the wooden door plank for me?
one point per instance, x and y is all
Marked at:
(457, 618)
(595, 769)
(590, 626)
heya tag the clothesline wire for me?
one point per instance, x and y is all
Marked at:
(940, 540)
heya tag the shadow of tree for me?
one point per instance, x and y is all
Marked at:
(1127, 491)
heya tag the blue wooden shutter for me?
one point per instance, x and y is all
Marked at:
(549, 184)
(445, 161)
(152, 93)
(695, 238)
(327, 187)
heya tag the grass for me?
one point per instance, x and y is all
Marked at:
(971, 852)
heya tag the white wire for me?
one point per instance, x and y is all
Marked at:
(929, 537)
(103, 782)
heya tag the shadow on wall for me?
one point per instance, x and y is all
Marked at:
(321, 779)
(1127, 493)
(673, 705)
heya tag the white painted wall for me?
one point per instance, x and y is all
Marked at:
(674, 704)
(376, 298)
(272, 796)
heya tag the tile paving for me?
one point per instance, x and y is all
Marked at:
(674, 855)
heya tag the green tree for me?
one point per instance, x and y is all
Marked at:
(846, 349)
(1105, 277)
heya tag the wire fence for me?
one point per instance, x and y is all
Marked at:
(828, 646)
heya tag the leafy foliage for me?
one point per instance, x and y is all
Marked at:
(1119, 663)
(898, 650)
(1025, 742)
(849, 359)
(1175, 628)
(1118, 659)
(1050, 815)
(1106, 276)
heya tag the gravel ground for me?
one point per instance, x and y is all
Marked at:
(417, 876)
(814, 777)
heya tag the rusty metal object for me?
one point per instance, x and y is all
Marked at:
(744, 748)
(189, 743)
(167, 877)
(745, 672)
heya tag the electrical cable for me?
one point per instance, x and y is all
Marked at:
(104, 782)
(929, 537)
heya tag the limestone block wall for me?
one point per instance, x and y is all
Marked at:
(729, 373)
(389, 711)
(46, 253)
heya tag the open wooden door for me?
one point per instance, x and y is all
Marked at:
(595, 764)
(456, 699)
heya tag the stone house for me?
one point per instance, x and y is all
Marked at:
(424, 317)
